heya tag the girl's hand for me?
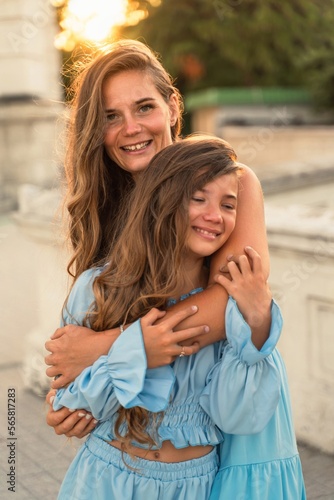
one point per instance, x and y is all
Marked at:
(72, 349)
(76, 423)
(249, 288)
(162, 344)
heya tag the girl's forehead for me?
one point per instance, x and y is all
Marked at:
(223, 183)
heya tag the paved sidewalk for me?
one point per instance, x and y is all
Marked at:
(41, 457)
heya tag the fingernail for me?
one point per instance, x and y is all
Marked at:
(88, 417)
(229, 257)
(81, 414)
(94, 421)
(194, 308)
(52, 400)
(71, 410)
(248, 248)
(206, 329)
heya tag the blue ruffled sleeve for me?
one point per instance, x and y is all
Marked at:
(243, 388)
(119, 378)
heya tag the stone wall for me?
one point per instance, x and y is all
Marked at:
(301, 242)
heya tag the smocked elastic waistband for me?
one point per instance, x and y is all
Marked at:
(151, 468)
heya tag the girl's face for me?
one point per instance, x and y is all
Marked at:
(138, 119)
(212, 215)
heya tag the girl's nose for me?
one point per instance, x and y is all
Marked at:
(213, 216)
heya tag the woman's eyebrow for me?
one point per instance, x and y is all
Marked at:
(139, 101)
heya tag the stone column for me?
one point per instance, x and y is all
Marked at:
(40, 226)
(30, 95)
(31, 116)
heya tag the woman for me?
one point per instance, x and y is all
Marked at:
(125, 110)
(159, 428)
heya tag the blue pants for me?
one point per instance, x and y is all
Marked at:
(98, 472)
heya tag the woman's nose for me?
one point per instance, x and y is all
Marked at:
(131, 126)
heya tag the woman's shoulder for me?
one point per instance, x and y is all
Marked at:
(81, 296)
(87, 277)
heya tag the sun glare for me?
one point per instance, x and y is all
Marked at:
(91, 21)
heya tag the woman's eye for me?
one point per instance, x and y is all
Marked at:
(197, 198)
(111, 117)
(145, 107)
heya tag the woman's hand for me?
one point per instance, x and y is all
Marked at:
(249, 288)
(73, 348)
(76, 423)
(162, 344)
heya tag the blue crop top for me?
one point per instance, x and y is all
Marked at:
(228, 386)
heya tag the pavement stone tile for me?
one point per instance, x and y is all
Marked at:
(43, 457)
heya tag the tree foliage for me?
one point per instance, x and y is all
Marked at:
(214, 43)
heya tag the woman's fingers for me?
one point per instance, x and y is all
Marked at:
(59, 381)
(58, 333)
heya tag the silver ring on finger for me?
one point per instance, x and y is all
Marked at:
(182, 353)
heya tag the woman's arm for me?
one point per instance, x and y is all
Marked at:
(74, 348)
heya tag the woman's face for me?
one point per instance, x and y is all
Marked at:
(138, 119)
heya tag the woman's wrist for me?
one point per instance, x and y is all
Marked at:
(106, 339)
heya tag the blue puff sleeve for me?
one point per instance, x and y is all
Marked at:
(80, 299)
(121, 377)
(243, 388)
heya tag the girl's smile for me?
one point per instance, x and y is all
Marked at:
(212, 216)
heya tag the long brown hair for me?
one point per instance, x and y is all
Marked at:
(145, 265)
(95, 184)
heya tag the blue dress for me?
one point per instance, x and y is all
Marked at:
(229, 395)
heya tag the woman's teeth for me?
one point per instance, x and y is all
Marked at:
(136, 147)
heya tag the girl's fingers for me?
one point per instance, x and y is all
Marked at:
(255, 259)
(183, 335)
(234, 269)
(50, 396)
(179, 316)
(245, 265)
(152, 316)
(181, 350)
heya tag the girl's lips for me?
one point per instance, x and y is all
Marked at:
(206, 233)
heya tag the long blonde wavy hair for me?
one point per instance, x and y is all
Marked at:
(96, 185)
(146, 264)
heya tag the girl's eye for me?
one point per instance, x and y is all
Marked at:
(197, 198)
(229, 207)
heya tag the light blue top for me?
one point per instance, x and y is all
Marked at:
(227, 387)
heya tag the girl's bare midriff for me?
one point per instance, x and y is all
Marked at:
(168, 453)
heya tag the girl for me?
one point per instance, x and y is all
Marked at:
(159, 428)
(126, 109)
